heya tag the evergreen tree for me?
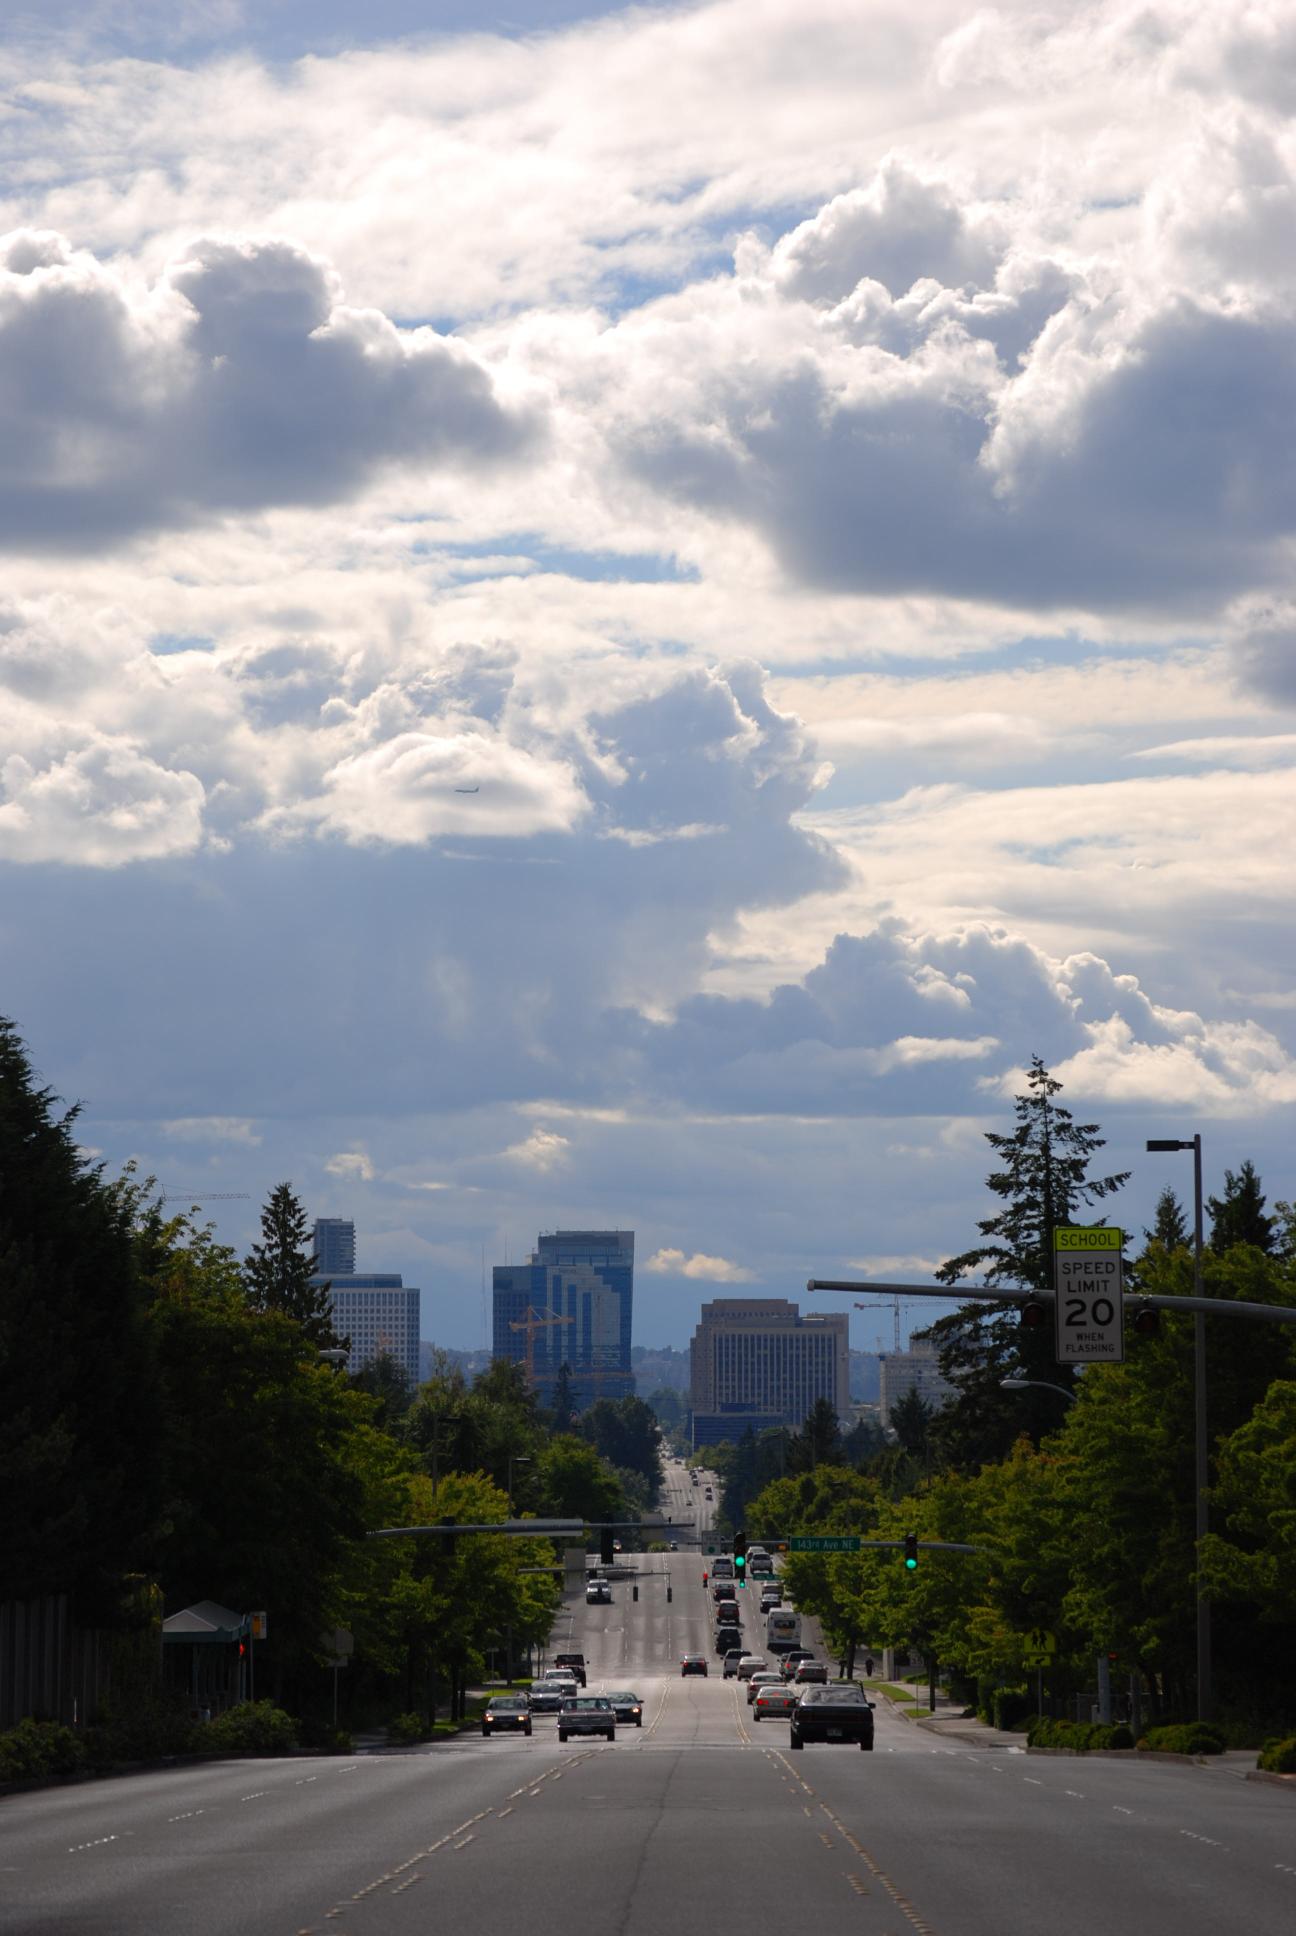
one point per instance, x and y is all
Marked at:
(79, 1404)
(1238, 1217)
(1044, 1183)
(911, 1419)
(278, 1270)
(1170, 1226)
(819, 1442)
(564, 1412)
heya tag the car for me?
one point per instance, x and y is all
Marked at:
(693, 1664)
(731, 1660)
(728, 1614)
(708, 1494)
(755, 1682)
(587, 1714)
(627, 1707)
(598, 1593)
(575, 1663)
(751, 1664)
(761, 1569)
(506, 1712)
(548, 1696)
(838, 1712)
(729, 1640)
(722, 1568)
(808, 1671)
(616, 1546)
(793, 1658)
(771, 1597)
(722, 1590)
(773, 1699)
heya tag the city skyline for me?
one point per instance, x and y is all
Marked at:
(611, 616)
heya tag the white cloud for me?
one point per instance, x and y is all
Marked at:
(354, 1165)
(101, 804)
(711, 1270)
(543, 1150)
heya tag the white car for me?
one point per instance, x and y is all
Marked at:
(764, 1679)
(752, 1664)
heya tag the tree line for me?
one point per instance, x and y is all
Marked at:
(1080, 1500)
(171, 1432)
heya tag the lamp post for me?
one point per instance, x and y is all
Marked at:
(1041, 1384)
(1193, 1143)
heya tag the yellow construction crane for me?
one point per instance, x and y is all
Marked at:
(534, 1322)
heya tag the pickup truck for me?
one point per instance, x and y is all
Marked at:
(574, 1665)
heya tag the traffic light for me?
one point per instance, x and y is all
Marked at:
(1147, 1320)
(1033, 1313)
(911, 1551)
(606, 1548)
(740, 1558)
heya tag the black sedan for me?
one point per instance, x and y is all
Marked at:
(838, 1712)
(505, 1712)
(628, 1708)
(693, 1664)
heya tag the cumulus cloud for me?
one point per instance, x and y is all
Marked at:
(893, 232)
(102, 803)
(353, 1165)
(241, 380)
(711, 1270)
(544, 1149)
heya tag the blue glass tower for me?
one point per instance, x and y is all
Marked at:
(580, 1286)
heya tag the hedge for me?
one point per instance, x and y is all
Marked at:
(35, 1750)
(1184, 1737)
(1278, 1757)
(1045, 1732)
(254, 1727)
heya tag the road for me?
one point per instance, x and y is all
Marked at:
(692, 1819)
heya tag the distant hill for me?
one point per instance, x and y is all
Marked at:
(664, 1369)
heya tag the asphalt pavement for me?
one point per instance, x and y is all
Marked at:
(697, 1818)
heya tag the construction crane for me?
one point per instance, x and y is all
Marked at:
(533, 1323)
(875, 1307)
(206, 1196)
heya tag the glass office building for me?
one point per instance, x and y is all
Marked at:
(756, 1362)
(571, 1303)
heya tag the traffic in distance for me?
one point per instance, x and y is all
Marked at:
(757, 1643)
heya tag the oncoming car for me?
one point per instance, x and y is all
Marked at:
(587, 1714)
(628, 1708)
(507, 1712)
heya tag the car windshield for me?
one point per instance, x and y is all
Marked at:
(507, 1703)
(836, 1695)
(593, 1702)
(623, 1697)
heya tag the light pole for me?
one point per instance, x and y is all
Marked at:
(1041, 1384)
(1204, 1700)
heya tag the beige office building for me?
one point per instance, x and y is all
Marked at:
(756, 1362)
(917, 1370)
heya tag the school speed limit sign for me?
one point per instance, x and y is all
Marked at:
(1088, 1282)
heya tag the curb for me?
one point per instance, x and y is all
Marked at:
(1275, 1781)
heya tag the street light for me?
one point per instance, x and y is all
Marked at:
(1193, 1143)
(1042, 1384)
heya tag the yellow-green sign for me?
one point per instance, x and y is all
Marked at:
(1095, 1236)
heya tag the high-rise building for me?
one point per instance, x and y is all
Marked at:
(574, 1297)
(756, 1362)
(917, 1370)
(334, 1246)
(377, 1311)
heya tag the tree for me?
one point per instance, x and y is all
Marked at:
(1169, 1226)
(575, 1483)
(79, 1417)
(564, 1412)
(1044, 1183)
(1238, 1216)
(911, 1419)
(819, 1442)
(627, 1434)
(278, 1271)
(385, 1380)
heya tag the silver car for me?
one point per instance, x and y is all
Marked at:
(587, 1714)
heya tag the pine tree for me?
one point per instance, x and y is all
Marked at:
(1044, 1183)
(278, 1270)
(564, 1412)
(1170, 1225)
(1238, 1216)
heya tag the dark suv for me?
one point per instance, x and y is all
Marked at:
(574, 1663)
(838, 1712)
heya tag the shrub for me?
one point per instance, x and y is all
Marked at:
(321, 1737)
(34, 1750)
(1011, 1707)
(1184, 1737)
(407, 1728)
(1279, 1757)
(1044, 1732)
(254, 1727)
(141, 1732)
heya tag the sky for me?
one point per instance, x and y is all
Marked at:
(613, 617)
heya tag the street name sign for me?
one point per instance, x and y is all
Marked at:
(825, 1543)
(1088, 1279)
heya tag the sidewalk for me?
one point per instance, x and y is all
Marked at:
(950, 1723)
